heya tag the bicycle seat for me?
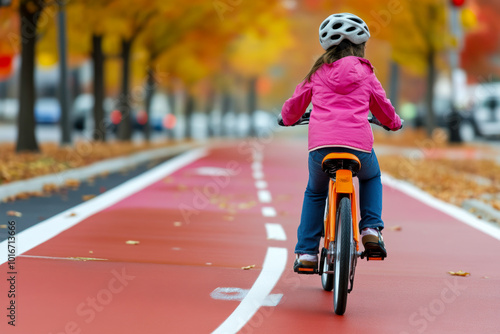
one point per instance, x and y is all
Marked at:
(335, 161)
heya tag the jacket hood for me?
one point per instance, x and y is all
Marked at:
(346, 74)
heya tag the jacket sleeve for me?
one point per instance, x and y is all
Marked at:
(381, 106)
(296, 106)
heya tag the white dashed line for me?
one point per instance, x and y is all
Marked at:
(275, 232)
(268, 211)
(257, 165)
(264, 196)
(258, 175)
(239, 294)
(261, 184)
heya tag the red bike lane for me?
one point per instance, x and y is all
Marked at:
(239, 207)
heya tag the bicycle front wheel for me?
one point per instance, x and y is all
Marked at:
(343, 237)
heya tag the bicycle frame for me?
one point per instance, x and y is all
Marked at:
(343, 185)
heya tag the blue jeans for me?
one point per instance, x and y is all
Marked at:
(313, 208)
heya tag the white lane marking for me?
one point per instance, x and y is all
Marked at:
(275, 232)
(258, 175)
(451, 210)
(257, 165)
(261, 184)
(51, 227)
(238, 294)
(268, 211)
(274, 265)
(257, 156)
(264, 196)
(214, 171)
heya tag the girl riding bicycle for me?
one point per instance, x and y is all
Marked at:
(343, 90)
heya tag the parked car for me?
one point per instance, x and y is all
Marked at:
(486, 117)
(83, 111)
(9, 109)
(47, 110)
(160, 108)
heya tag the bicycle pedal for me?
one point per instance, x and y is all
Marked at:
(306, 271)
(373, 256)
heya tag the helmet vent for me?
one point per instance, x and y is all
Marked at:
(338, 15)
(361, 33)
(350, 29)
(335, 37)
(366, 28)
(356, 20)
(324, 24)
(324, 34)
(337, 26)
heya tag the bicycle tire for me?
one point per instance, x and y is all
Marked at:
(326, 279)
(343, 237)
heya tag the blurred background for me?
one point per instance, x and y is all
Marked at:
(154, 69)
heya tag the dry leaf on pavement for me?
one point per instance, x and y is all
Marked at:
(13, 213)
(458, 273)
(87, 197)
(248, 267)
(132, 242)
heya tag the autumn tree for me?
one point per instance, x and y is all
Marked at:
(30, 13)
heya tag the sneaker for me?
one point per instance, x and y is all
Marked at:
(374, 243)
(306, 264)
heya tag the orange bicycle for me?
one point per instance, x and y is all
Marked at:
(341, 232)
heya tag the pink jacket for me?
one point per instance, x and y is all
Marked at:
(342, 94)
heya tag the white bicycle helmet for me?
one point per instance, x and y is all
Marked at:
(338, 27)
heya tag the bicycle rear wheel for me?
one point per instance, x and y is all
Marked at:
(343, 237)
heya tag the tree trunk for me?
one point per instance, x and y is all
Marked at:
(26, 139)
(209, 108)
(98, 60)
(225, 108)
(125, 126)
(431, 79)
(394, 85)
(65, 122)
(150, 90)
(252, 104)
(188, 114)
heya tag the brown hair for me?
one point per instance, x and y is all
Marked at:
(334, 53)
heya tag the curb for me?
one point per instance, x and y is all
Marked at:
(82, 173)
(487, 212)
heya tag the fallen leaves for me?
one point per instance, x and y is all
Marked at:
(3, 226)
(450, 180)
(13, 213)
(248, 267)
(395, 228)
(459, 273)
(87, 197)
(72, 183)
(132, 242)
(53, 159)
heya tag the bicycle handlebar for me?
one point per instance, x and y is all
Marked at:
(304, 119)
